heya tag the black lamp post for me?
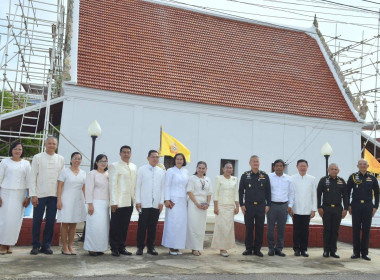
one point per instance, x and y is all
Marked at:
(94, 131)
(327, 151)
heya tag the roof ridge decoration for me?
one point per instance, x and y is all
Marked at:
(360, 106)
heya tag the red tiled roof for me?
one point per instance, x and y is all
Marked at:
(154, 50)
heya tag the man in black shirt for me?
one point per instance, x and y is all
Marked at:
(364, 187)
(334, 190)
(255, 200)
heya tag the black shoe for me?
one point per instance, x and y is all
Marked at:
(355, 256)
(279, 253)
(46, 251)
(297, 253)
(271, 252)
(366, 257)
(247, 252)
(326, 254)
(93, 254)
(334, 255)
(125, 252)
(152, 252)
(304, 254)
(115, 253)
(34, 251)
(99, 253)
(139, 252)
(258, 253)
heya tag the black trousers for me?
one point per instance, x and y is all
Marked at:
(119, 227)
(148, 219)
(361, 220)
(254, 218)
(300, 232)
(332, 217)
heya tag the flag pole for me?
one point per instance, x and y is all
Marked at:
(160, 138)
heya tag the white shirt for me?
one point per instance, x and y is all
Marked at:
(175, 182)
(150, 186)
(14, 174)
(305, 194)
(43, 177)
(281, 188)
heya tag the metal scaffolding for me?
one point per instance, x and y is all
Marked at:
(357, 63)
(31, 62)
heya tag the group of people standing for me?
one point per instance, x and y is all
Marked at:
(112, 191)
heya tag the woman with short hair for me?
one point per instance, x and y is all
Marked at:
(226, 205)
(14, 172)
(70, 202)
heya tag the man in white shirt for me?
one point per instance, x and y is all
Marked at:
(282, 202)
(122, 178)
(150, 189)
(43, 180)
(304, 207)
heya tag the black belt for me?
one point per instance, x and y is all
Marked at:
(279, 203)
(332, 205)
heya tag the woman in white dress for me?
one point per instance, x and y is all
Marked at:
(70, 202)
(98, 216)
(14, 172)
(226, 205)
(199, 192)
(174, 236)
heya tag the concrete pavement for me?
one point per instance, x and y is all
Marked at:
(21, 264)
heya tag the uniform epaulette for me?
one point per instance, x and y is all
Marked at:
(247, 172)
(262, 172)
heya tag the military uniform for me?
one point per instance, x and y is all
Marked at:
(254, 194)
(334, 191)
(363, 188)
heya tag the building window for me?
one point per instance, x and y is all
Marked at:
(234, 165)
(168, 162)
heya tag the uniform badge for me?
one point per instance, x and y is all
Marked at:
(249, 185)
(327, 182)
(328, 189)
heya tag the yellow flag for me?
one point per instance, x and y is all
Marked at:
(171, 146)
(374, 165)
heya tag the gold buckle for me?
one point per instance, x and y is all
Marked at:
(361, 201)
(255, 203)
(332, 205)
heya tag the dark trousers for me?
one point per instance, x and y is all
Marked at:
(361, 220)
(332, 217)
(300, 232)
(254, 218)
(119, 227)
(276, 215)
(148, 219)
(49, 204)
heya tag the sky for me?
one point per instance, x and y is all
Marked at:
(342, 22)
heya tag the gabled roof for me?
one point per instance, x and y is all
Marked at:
(156, 50)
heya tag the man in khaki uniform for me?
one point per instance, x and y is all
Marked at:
(122, 177)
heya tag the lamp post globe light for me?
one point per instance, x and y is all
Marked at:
(94, 130)
(327, 151)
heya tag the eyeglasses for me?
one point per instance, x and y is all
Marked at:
(76, 159)
(103, 161)
(153, 157)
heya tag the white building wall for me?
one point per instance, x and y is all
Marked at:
(210, 132)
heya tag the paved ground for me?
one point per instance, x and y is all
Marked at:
(208, 266)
